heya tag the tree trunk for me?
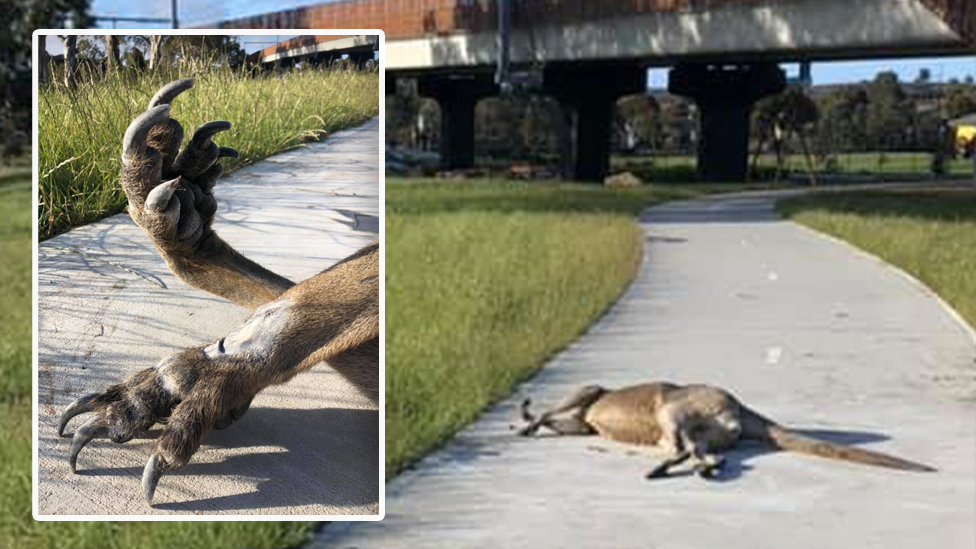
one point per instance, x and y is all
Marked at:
(778, 146)
(42, 60)
(754, 170)
(806, 154)
(70, 59)
(155, 43)
(112, 49)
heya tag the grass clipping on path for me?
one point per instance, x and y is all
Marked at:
(80, 132)
(486, 280)
(930, 234)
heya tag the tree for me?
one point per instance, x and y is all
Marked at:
(112, 51)
(134, 59)
(70, 44)
(843, 124)
(960, 100)
(924, 76)
(889, 113)
(155, 50)
(19, 19)
(790, 113)
(204, 49)
(637, 121)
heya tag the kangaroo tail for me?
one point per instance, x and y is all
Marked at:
(757, 427)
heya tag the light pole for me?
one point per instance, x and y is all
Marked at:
(504, 41)
(176, 20)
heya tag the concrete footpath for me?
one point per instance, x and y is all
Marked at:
(802, 328)
(109, 307)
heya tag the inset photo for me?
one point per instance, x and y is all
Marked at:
(208, 276)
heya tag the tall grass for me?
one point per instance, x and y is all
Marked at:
(80, 130)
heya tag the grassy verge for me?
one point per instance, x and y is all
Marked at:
(930, 234)
(484, 281)
(17, 527)
(682, 167)
(80, 132)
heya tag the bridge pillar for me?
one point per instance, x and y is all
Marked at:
(725, 95)
(457, 97)
(588, 95)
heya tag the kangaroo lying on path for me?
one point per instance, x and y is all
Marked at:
(694, 421)
(333, 316)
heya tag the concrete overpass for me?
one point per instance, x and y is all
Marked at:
(317, 49)
(591, 52)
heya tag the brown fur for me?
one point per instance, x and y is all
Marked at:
(694, 421)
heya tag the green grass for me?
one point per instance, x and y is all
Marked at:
(682, 167)
(484, 281)
(930, 234)
(80, 132)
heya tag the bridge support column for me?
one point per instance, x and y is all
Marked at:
(588, 95)
(725, 95)
(457, 97)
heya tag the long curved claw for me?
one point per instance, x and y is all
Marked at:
(227, 152)
(92, 428)
(167, 93)
(150, 477)
(80, 406)
(158, 199)
(201, 137)
(134, 142)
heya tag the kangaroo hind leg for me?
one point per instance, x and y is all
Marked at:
(673, 442)
(708, 438)
(573, 425)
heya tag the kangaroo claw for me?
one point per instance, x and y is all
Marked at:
(83, 405)
(150, 477)
(92, 429)
(201, 137)
(167, 93)
(158, 198)
(134, 141)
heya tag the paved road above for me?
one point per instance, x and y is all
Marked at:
(804, 329)
(109, 307)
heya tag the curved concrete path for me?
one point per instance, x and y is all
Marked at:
(309, 447)
(804, 329)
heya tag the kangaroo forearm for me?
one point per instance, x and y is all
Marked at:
(333, 316)
(218, 268)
